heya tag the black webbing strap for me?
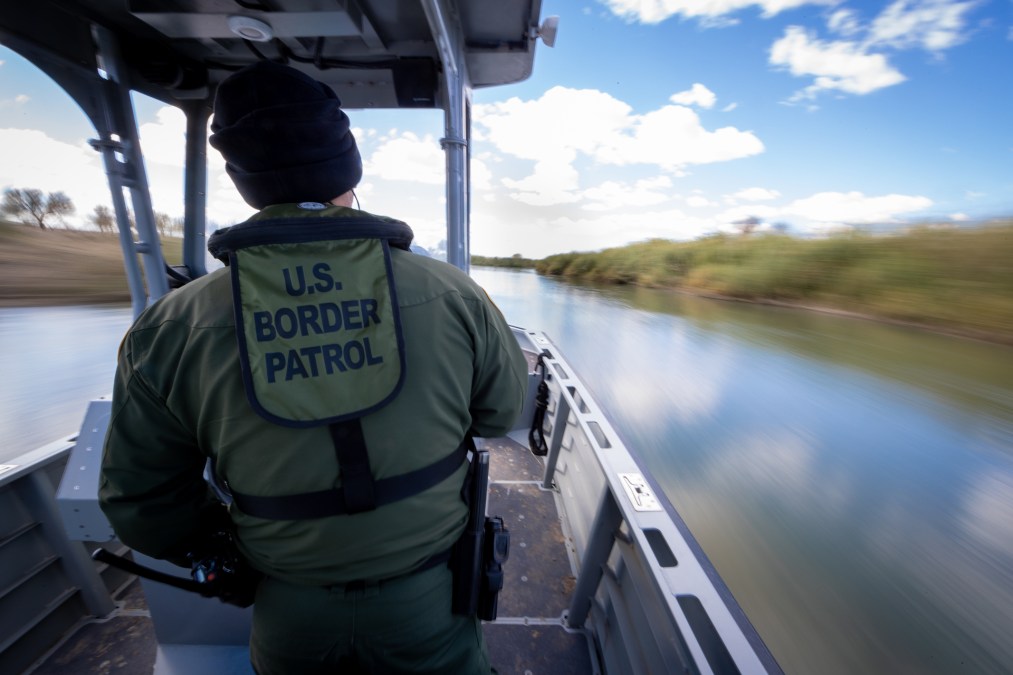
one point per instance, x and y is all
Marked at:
(332, 502)
(353, 461)
(536, 436)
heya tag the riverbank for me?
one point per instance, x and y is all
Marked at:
(956, 281)
(65, 267)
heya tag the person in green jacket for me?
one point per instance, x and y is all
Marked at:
(323, 366)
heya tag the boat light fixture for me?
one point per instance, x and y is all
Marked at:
(547, 31)
(251, 29)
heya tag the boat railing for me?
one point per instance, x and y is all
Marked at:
(652, 598)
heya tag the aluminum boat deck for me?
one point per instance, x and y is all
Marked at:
(528, 637)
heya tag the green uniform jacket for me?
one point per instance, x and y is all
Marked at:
(179, 400)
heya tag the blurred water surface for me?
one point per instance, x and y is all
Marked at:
(851, 481)
(54, 360)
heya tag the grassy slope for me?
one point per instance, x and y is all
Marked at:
(63, 266)
(959, 281)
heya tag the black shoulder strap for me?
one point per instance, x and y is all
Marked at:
(335, 502)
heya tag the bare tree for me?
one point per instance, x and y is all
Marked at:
(30, 204)
(103, 218)
(163, 223)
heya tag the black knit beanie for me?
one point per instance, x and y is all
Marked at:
(284, 137)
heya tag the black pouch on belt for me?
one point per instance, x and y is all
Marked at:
(484, 545)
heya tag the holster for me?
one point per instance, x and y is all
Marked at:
(478, 556)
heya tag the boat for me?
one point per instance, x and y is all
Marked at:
(603, 575)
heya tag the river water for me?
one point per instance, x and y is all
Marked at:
(851, 481)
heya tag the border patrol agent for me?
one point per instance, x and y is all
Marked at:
(331, 377)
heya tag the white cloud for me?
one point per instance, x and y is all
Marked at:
(656, 11)
(697, 201)
(841, 65)
(730, 107)
(855, 207)
(406, 157)
(959, 217)
(933, 25)
(696, 95)
(538, 237)
(554, 181)
(164, 140)
(845, 22)
(615, 195)
(22, 98)
(565, 124)
(481, 175)
(672, 137)
(756, 194)
(857, 65)
(34, 160)
(570, 120)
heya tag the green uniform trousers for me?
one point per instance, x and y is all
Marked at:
(403, 625)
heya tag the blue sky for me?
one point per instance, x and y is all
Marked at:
(652, 118)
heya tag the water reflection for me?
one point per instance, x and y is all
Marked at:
(54, 360)
(852, 481)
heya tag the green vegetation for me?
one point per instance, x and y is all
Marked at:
(513, 262)
(959, 280)
(49, 267)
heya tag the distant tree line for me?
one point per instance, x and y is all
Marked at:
(32, 206)
(516, 261)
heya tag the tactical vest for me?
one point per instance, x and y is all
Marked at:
(320, 342)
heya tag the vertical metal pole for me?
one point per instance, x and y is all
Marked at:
(195, 188)
(457, 105)
(599, 545)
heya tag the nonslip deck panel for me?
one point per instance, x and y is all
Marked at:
(538, 576)
(539, 579)
(510, 461)
(530, 639)
(124, 645)
(537, 650)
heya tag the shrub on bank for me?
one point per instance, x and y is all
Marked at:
(959, 278)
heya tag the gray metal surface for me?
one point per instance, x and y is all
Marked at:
(77, 495)
(644, 587)
(379, 53)
(48, 583)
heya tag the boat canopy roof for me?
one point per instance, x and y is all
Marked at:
(373, 53)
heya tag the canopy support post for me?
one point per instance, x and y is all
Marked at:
(456, 143)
